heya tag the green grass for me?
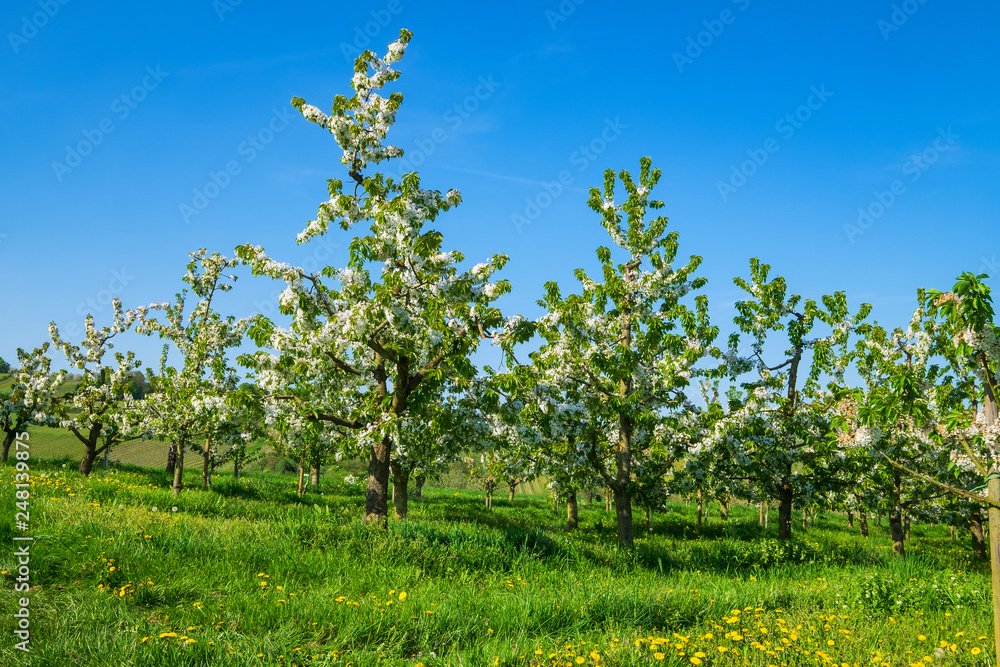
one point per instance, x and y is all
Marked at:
(115, 579)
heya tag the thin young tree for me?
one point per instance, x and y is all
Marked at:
(628, 342)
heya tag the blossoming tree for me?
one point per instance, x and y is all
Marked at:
(91, 411)
(191, 403)
(898, 418)
(628, 342)
(401, 314)
(775, 432)
(29, 399)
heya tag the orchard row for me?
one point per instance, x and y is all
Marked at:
(373, 359)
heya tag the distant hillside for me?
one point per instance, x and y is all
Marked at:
(70, 384)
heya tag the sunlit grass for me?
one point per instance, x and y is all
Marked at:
(248, 573)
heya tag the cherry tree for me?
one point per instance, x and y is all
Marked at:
(29, 400)
(441, 424)
(191, 403)
(91, 411)
(897, 418)
(776, 432)
(629, 342)
(401, 314)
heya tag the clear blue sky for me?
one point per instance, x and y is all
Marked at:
(838, 103)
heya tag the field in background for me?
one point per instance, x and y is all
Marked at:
(54, 443)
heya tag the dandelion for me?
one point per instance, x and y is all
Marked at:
(173, 509)
(153, 509)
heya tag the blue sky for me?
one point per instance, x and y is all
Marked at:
(773, 123)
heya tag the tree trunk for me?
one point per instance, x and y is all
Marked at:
(489, 499)
(649, 517)
(850, 519)
(236, 469)
(302, 475)
(89, 456)
(377, 498)
(723, 509)
(206, 472)
(785, 510)
(896, 530)
(698, 513)
(418, 485)
(171, 458)
(317, 469)
(863, 520)
(804, 514)
(607, 499)
(555, 504)
(590, 496)
(179, 470)
(896, 518)
(400, 481)
(572, 513)
(978, 535)
(8, 440)
(761, 519)
(906, 526)
(623, 513)
(511, 488)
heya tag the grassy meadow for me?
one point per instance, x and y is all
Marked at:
(248, 573)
